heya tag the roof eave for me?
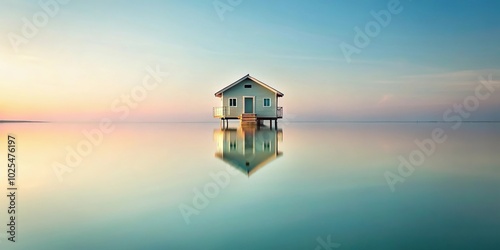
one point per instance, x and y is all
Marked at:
(219, 93)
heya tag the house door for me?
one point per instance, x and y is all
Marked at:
(248, 105)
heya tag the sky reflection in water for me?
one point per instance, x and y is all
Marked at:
(286, 187)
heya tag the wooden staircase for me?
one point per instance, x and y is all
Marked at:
(248, 118)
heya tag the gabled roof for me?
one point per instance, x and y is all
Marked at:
(219, 93)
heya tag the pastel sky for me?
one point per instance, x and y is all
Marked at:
(87, 54)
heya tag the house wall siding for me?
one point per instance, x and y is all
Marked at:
(260, 92)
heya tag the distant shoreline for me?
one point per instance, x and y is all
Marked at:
(23, 121)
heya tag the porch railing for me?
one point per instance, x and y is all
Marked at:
(279, 112)
(220, 112)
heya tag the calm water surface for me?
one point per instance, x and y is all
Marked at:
(194, 186)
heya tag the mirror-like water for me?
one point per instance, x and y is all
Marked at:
(195, 186)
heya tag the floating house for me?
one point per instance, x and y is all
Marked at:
(246, 148)
(249, 100)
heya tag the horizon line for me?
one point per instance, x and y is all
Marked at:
(304, 121)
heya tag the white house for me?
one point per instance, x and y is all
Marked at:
(250, 101)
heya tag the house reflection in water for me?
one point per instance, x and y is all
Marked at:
(248, 148)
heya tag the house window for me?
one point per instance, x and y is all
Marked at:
(232, 102)
(267, 102)
(248, 86)
(267, 146)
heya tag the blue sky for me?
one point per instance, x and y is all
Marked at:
(427, 58)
